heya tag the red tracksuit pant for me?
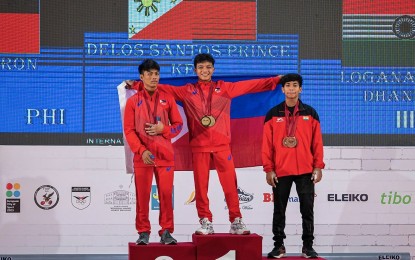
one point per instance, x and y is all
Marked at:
(143, 180)
(225, 167)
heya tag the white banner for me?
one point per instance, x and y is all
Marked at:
(74, 197)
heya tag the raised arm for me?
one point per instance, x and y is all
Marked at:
(252, 86)
(178, 93)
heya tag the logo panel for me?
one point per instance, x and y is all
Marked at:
(120, 199)
(192, 199)
(395, 198)
(349, 197)
(13, 198)
(81, 197)
(46, 197)
(244, 199)
(155, 202)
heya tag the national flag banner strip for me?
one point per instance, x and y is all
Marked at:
(378, 33)
(381, 7)
(232, 20)
(372, 27)
(20, 22)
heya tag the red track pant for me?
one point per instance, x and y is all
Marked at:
(143, 180)
(225, 167)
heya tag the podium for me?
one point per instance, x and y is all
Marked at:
(202, 247)
(212, 247)
(152, 251)
(296, 258)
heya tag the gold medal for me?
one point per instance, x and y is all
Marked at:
(212, 121)
(205, 121)
(289, 141)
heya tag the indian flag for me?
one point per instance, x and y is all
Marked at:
(378, 33)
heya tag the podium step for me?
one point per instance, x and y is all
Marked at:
(295, 258)
(212, 247)
(152, 251)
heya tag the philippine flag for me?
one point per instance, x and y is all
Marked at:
(192, 20)
(20, 23)
(247, 120)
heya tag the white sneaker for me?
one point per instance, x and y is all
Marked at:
(239, 228)
(206, 228)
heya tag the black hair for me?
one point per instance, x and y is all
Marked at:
(202, 57)
(292, 77)
(147, 65)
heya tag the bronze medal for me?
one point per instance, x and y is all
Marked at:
(212, 121)
(289, 141)
(205, 121)
(291, 123)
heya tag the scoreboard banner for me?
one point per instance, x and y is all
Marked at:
(60, 86)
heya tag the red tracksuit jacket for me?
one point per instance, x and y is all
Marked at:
(136, 116)
(218, 137)
(307, 155)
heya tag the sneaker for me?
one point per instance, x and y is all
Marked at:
(206, 228)
(167, 239)
(143, 239)
(277, 252)
(239, 228)
(309, 252)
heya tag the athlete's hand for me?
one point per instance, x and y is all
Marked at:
(272, 178)
(316, 175)
(154, 129)
(147, 157)
(129, 84)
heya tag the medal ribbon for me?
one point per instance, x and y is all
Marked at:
(207, 104)
(152, 114)
(291, 124)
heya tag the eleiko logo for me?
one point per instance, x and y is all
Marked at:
(395, 257)
(348, 197)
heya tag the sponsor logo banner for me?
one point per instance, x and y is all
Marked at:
(13, 198)
(155, 202)
(120, 200)
(245, 199)
(81, 197)
(46, 197)
(395, 198)
(347, 197)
